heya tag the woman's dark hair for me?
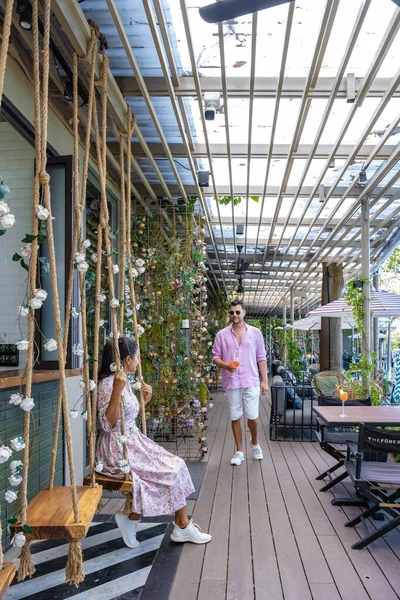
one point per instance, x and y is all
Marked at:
(126, 347)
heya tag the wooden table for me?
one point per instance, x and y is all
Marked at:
(379, 416)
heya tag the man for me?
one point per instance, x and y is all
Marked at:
(238, 349)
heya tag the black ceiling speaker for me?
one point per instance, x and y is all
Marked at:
(230, 9)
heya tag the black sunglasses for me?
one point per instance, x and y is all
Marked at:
(232, 312)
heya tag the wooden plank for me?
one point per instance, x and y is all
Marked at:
(113, 505)
(110, 484)
(216, 553)
(6, 577)
(293, 578)
(324, 591)
(11, 379)
(50, 514)
(240, 572)
(265, 566)
(188, 576)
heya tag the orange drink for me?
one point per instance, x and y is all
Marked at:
(234, 364)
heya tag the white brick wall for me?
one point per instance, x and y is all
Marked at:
(17, 168)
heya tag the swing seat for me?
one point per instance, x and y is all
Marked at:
(111, 484)
(6, 577)
(50, 515)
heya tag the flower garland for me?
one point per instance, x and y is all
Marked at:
(7, 219)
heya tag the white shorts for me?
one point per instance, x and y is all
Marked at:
(247, 398)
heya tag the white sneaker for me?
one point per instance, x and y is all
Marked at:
(257, 452)
(237, 459)
(128, 529)
(191, 533)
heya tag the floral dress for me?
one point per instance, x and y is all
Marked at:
(161, 480)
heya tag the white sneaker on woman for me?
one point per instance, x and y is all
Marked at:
(191, 533)
(128, 529)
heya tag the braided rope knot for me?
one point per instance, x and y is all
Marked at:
(44, 178)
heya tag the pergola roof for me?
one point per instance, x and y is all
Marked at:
(289, 131)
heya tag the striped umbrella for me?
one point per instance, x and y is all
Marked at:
(396, 391)
(383, 304)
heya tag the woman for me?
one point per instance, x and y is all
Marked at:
(161, 481)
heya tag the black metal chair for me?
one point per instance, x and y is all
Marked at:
(327, 436)
(377, 482)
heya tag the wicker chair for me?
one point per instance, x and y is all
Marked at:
(326, 383)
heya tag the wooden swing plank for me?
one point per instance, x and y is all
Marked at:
(6, 577)
(111, 484)
(50, 515)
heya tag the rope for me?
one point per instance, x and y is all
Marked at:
(79, 204)
(122, 228)
(5, 43)
(131, 128)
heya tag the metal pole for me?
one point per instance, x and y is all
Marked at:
(284, 330)
(389, 351)
(270, 345)
(375, 328)
(365, 271)
(292, 312)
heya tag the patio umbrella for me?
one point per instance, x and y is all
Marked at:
(383, 304)
(313, 323)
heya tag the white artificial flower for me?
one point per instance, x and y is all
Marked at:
(134, 272)
(5, 453)
(26, 251)
(17, 443)
(125, 468)
(114, 302)
(140, 330)
(137, 306)
(4, 208)
(16, 399)
(209, 344)
(201, 357)
(18, 540)
(141, 270)
(204, 409)
(93, 256)
(73, 413)
(79, 257)
(23, 310)
(136, 385)
(102, 323)
(35, 303)
(83, 267)
(203, 439)
(115, 269)
(40, 294)
(101, 298)
(78, 350)
(75, 312)
(51, 345)
(113, 367)
(98, 466)
(139, 262)
(27, 404)
(22, 345)
(122, 439)
(203, 287)
(86, 244)
(92, 385)
(7, 221)
(211, 405)
(16, 465)
(84, 415)
(15, 480)
(82, 384)
(42, 213)
(201, 425)
(10, 496)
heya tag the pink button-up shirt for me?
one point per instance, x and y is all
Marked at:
(250, 352)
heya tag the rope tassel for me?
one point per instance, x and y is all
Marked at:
(26, 566)
(128, 503)
(74, 568)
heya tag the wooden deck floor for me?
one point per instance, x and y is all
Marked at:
(275, 536)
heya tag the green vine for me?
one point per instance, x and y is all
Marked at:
(225, 200)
